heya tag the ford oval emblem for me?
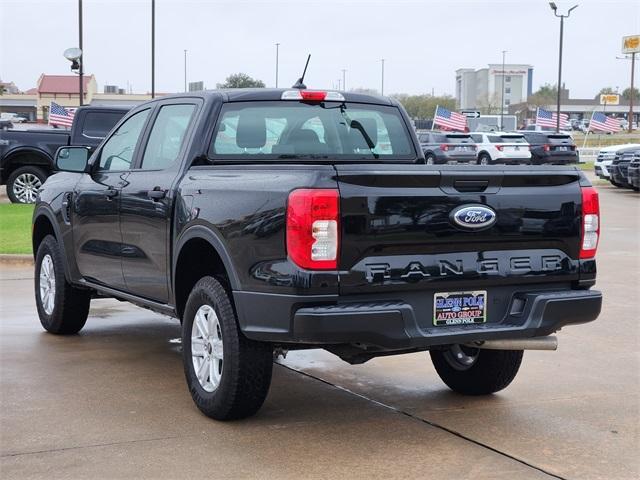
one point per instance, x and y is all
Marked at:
(474, 217)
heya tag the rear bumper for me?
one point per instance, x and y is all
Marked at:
(404, 324)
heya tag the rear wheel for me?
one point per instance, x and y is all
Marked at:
(484, 159)
(62, 308)
(473, 371)
(227, 374)
(430, 160)
(24, 183)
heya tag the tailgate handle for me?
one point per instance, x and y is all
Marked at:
(471, 185)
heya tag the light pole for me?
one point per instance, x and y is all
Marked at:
(554, 7)
(153, 48)
(277, 60)
(631, 91)
(185, 70)
(382, 83)
(80, 60)
(502, 103)
(344, 79)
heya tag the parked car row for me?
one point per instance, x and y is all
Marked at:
(619, 164)
(492, 148)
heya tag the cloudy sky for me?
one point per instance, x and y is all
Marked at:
(422, 42)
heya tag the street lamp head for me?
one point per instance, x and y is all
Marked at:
(553, 6)
(571, 9)
(72, 54)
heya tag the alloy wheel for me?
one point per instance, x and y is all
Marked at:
(47, 284)
(207, 351)
(26, 187)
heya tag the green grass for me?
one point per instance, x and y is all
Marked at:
(15, 228)
(586, 166)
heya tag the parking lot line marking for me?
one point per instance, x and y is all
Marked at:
(428, 422)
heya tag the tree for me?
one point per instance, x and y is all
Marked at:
(547, 91)
(626, 94)
(423, 106)
(606, 91)
(240, 80)
(2, 89)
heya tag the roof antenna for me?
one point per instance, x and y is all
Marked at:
(300, 83)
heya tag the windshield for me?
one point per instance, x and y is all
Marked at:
(297, 130)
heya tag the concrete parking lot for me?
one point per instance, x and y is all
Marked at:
(112, 402)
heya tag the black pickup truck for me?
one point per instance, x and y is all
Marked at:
(26, 156)
(270, 220)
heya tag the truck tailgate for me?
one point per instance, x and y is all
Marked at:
(398, 233)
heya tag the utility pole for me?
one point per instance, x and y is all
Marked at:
(554, 7)
(153, 48)
(185, 70)
(277, 60)
(502, 103)
(81, 60)
(631, 92)
(382, 83)
(344, 79)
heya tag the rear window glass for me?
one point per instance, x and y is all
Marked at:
(560, 139)
(494, 138)
(98, 124)
(459, 139)
(477, 138)
(297, 130)
(513, 139)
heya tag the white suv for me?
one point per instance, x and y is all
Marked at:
(500, 147)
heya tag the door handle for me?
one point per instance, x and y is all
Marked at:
(156, 194)
(110, 193)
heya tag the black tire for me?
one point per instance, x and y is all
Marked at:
(491, 371)
(70, 304)
(430, 159)
(484, 159)
(246, 365)
(13, 187)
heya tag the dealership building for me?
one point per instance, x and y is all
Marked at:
(63, 90)
(480, 89)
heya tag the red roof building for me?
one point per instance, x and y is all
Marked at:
(63, 84)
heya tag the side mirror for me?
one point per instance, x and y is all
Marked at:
(72, 159)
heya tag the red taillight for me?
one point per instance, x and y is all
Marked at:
(546, 147)
(313, 227)
(313, 95)
(444, 147)
(590, 223)
(500, 147)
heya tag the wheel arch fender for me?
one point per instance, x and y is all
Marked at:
(202, 233)
(44, 223)
(45, 158)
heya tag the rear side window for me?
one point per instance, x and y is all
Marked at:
(98, 124)
(167, 136)
(477, 138)
(302, 130)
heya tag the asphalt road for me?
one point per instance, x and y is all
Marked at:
(112, 402)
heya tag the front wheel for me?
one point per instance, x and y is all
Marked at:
(62, 308)
(473, 371)
(227, 374)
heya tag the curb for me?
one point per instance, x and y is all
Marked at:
(13, 259)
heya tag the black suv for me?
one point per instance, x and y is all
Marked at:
(633, 172)
(620, 165)
(449, 148)
(551, 147)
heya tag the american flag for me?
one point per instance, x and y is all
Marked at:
(450, 120)
(545, 118)
(58, 115)
(600, 122)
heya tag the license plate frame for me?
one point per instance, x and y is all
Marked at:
(467, 307)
